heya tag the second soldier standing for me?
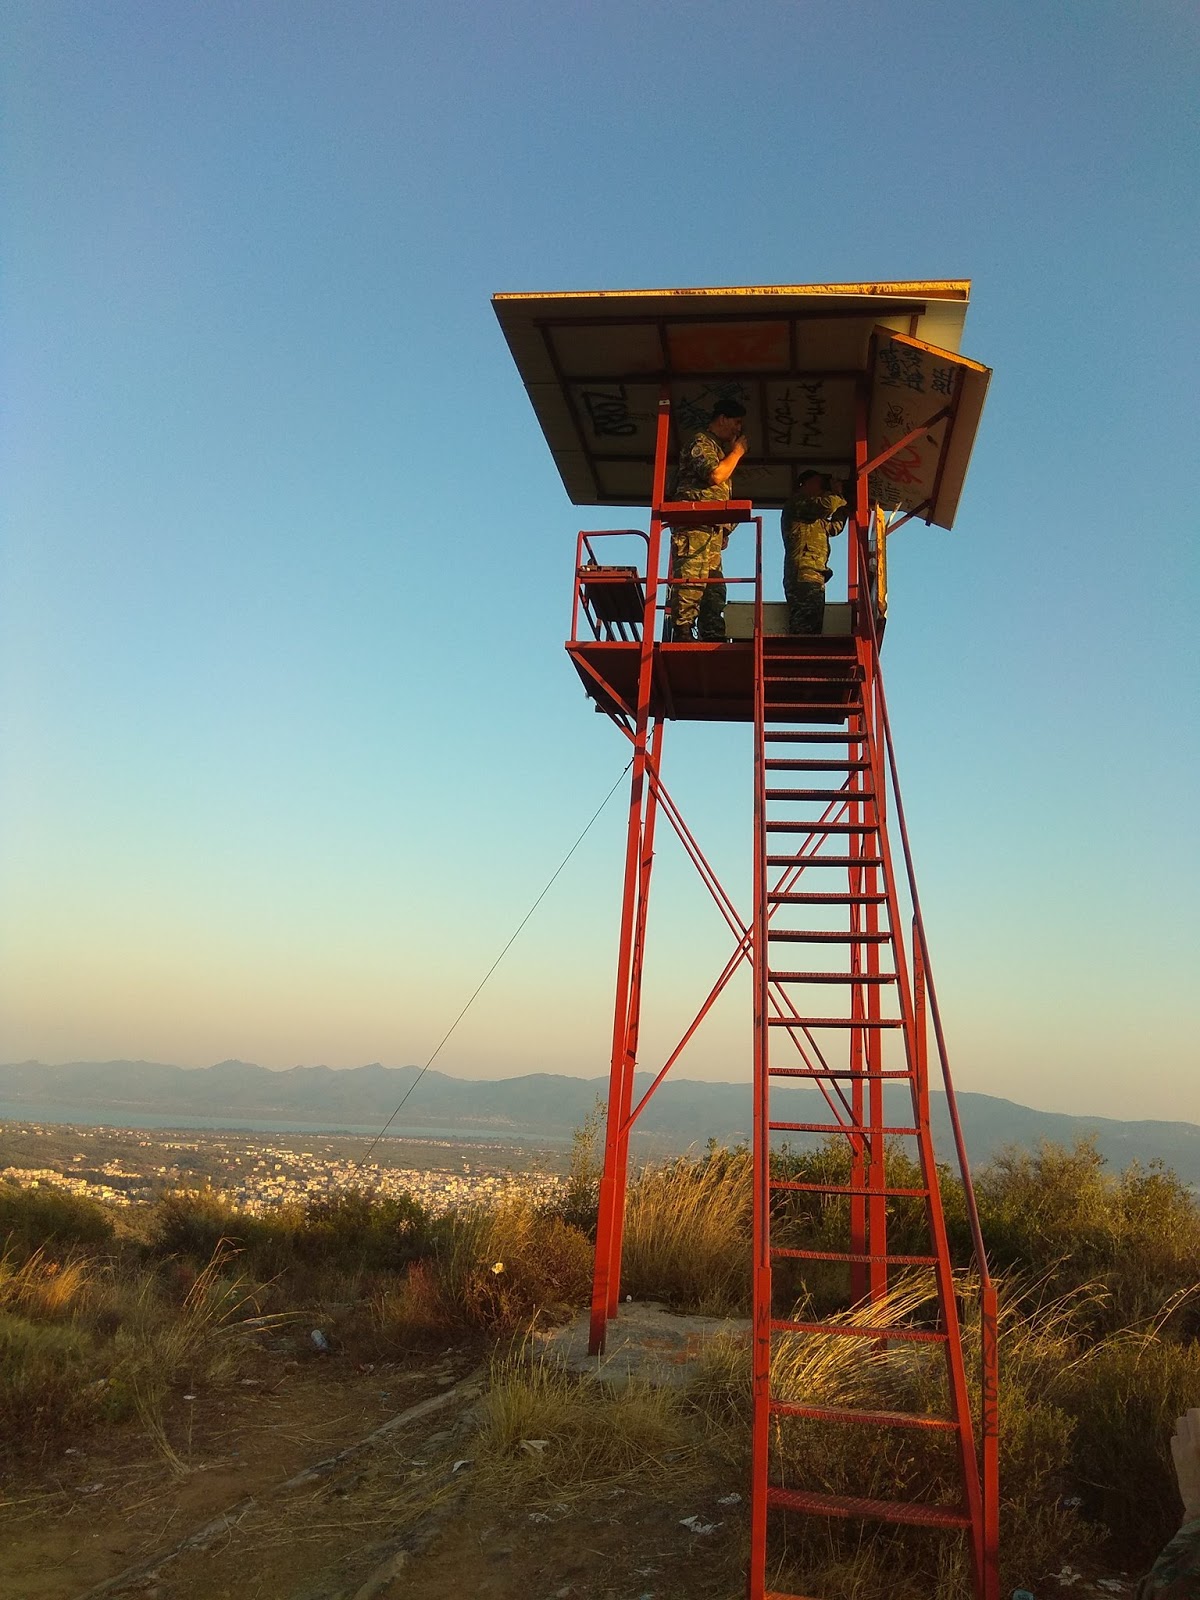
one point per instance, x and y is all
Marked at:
(813, 515)
(705, 472)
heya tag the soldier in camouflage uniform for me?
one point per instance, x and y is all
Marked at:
(1176, 1573)
(810, 518)
(705, 472)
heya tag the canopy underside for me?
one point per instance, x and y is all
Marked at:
(796, 357)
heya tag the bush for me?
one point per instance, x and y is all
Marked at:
(44, 1215)
(1123, 1396)
(1058, 1214)
(357, 1228)
(48, 1379)
(492, 1269)
(193, 1223)
(581, 1193)
(348, 1232)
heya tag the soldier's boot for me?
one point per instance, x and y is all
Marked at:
(681, 633)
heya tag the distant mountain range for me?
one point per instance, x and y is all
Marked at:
(538, 1107)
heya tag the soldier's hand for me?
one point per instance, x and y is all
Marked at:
(741, 443)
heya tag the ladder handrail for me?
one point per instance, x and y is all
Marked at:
(919, 930)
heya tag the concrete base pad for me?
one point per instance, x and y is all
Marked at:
(645, 1341)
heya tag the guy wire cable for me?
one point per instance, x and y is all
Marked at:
(550, 884)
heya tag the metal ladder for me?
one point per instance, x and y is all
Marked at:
(828, 919)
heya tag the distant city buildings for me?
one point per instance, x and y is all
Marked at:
(258, 1177)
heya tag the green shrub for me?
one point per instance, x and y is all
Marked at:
(349, 1231)
(1123, 1396)
(46, 1216)
(48, 1379)
(495, 1269)
(1058, 1214)
(192, 1223)
(362, 1229)
(580, 1198)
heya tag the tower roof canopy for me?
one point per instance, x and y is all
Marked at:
(794, 355)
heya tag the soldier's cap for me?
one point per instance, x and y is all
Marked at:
(811, 472)
(727, 408)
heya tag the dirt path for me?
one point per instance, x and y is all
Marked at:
(399, 1514)
(111, 1502)
(328, 1481)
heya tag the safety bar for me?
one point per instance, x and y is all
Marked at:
(593, 580)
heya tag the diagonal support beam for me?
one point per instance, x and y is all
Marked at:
(913, 433)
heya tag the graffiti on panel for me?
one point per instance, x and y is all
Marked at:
(904, 467)
(797, 415)
(608, 412)
(901, 368)
(941, 381)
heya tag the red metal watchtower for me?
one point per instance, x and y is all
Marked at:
(862, 381)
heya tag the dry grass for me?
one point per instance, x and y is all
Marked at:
(42, 1287)
(687, 1234)
(546, 1437)
(1099, 1317)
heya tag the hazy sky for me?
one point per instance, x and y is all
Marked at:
(289, 742)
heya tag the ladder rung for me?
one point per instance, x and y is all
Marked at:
(835, 672)
(856, 1330)
(845, 1188)
(820, 794)
(834, 1022)
(910, 1513)
(837, 1127)
(876, 978)
(820, 827)
(883, 1419)
(814, 764)
(824, 861)
(846, 1255)
(793, 897)
(823, 1072)
(824, 706)
(830, 936)
(817, 736)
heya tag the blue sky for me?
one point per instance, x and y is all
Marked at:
(288, 743)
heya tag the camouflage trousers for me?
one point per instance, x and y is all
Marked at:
(1176, 1573)
(695, 556)
(803, 588)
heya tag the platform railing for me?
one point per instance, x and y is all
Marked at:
(609, 596)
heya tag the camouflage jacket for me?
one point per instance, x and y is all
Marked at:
(697, 462)
(807, 522)
(1176, 1573)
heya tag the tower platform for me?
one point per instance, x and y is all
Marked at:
(715, 682)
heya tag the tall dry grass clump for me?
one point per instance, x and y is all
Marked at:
(42, 1287)
(687, 1234)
